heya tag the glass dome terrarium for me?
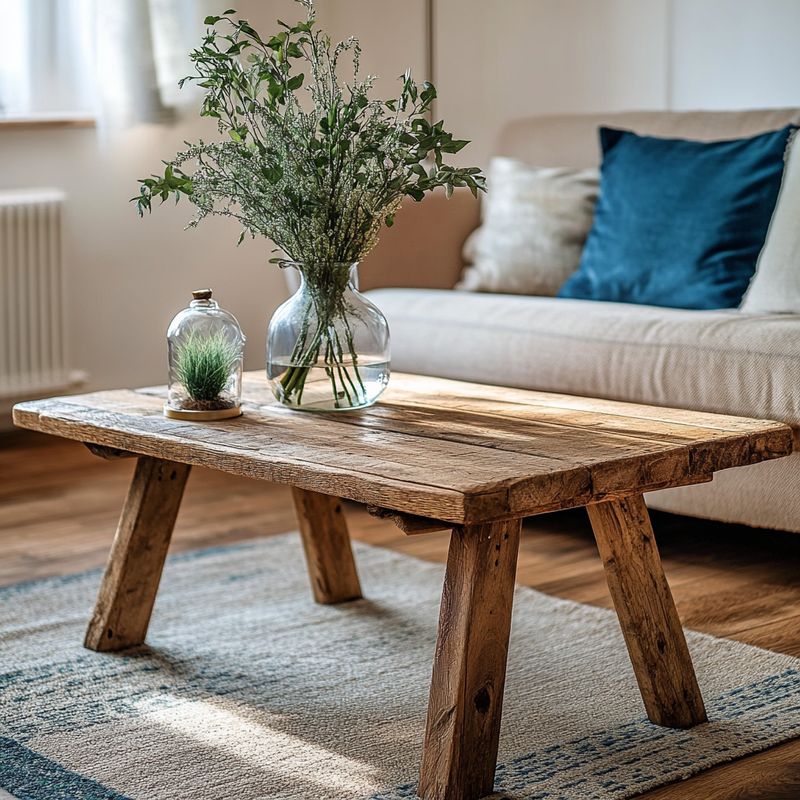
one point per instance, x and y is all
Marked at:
(206, 349)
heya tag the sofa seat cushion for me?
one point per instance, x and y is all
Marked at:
(722, 360)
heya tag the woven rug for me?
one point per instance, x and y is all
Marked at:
(249, 690)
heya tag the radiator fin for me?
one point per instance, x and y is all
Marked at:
(33, 358)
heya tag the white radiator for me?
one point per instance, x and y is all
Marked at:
(32, 317)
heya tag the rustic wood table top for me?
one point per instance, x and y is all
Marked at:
(454, 451)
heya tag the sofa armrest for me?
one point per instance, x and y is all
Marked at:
(422, 249)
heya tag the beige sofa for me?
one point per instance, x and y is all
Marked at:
(724, 361)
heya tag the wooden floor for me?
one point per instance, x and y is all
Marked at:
(59, 505)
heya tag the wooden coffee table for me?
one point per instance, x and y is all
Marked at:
(433, 455)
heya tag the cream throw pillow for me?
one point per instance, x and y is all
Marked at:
(535, 221)
(775, 288)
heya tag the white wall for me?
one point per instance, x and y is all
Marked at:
(393, 36)
(502, 60)
(735, 54)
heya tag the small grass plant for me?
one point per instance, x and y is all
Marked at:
(203, 365)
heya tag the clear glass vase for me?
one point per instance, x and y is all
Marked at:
(206, 350)
(327, 345)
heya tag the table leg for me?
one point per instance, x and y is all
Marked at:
(128, 591)
(647, 613)
(463, 729)
(326, 543)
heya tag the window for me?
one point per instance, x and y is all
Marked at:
(46, 58)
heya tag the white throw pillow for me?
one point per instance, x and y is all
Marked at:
(535, 221)
(775, 288)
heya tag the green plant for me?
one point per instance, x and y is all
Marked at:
(203, 365)
(306, 160)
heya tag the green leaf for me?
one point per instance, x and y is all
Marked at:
(277, 41)
(295, 82)
(272, 173)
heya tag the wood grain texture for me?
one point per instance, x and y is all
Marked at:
(446, 450)
(466, 698)
(326, 544)
(108, 453)
(58, 504)
(409, 523)
(647, 614)
(128, 590)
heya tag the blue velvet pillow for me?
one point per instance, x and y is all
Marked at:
(679, 223)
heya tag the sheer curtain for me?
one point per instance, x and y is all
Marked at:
(119, 60)
(45, 57)
(142, 53)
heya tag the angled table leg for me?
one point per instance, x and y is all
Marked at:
(463, 729)
(128, 591)
(326, 543)
(647, 613)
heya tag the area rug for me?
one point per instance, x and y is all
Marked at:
(249, 690)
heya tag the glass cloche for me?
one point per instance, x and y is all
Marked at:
(206, 350)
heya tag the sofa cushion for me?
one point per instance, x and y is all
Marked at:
(720, 361)
(534, 224)
(679, 223)
(776, 284)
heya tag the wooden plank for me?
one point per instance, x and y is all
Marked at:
(710, 448)
(409, 523)
(159, 437)
(466, 699)
(646, 612)
(284, 431)
(497, 399)
(326, 544)
(421, 393)
(718, 441)
(543, 484)
(108, 453)
(125, 600)
(426, 455)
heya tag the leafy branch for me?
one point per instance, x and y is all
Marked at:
(305, 159)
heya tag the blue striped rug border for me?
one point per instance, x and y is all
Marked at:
(30, 776)
(190, 555)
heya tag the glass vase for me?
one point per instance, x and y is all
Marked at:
(206, 350)
(327, 345)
